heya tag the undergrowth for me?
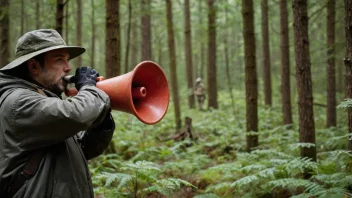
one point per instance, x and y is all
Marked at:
(148, 163)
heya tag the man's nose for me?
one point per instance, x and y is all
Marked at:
(67, 68)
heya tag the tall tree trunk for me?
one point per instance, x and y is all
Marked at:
(66, 21)
(37, 14)
(79, 30)
(250, 73)
(92, 56)
(228, 75)
(128, 35)
(285, 64)
(112, 42)
(211, 73)
(146, 30)
(200, 70)
(303, 78)
(202, 60)
(135, 47)
(4, 33)
(59, 16)
(172, 58)
(348, 63)
(22, 17)
(227, 62)
(188, 55)
(330, 70)
(266, 53)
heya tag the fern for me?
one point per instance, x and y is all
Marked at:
(345, 104)
(301, 165)
(111, 177)
(209, 195)
(271, 153)
(267, 173)
(289, 182)
(244, 181)
(219, 187)
(301, 145)
(252, 168)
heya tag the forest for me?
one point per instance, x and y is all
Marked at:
(277, 75)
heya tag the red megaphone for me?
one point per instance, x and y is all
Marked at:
(143, 92)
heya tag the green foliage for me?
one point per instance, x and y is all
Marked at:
(346, 103)
(148, 163)
(139, 179)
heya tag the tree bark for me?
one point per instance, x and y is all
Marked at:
(79, 30)
(22, 17)
(201, 61)
(285, 64)
(211, 73)
(37, 14)
(112, 42)
(250, 73)
(227, 63)
(128, 36)
(146, 30)
(4, 33)
(266, 53)
(330, 70)
(59, 16)
(303, 78)
(172, 58)
(66, 21)
(92, 56)
(348, 63)
(188, 55)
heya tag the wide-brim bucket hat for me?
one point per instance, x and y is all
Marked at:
(40, 41)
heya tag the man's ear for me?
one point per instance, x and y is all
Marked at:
(33, 66)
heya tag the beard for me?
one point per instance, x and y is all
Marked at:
(58, 87)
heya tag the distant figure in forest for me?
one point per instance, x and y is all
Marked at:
(45, 141)
(199, 91)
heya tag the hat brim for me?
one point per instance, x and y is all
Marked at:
(73, 52)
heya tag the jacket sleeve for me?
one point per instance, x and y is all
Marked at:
(96, 139)
(37, 121)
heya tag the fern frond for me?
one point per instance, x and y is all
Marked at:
(301, 145)
(303, 195)
(345, 104)
(209, 195)
(271, 153)
(267, 173)
(301, 164)
(219, 187)
(159, 189)
(146, 177)
(244, 181)
(278, 161)
(337, 153)
(111, 177)
(226, 167)
(289, 182)
(331, 192)
(252, 168)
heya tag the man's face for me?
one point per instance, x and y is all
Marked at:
(56, 67)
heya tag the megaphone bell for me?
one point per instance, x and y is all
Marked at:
(143, 92)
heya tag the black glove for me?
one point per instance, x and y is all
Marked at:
(85, 76)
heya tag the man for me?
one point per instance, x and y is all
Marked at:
(199, 92)
(45, 141)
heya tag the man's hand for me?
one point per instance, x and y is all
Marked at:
(85, 76)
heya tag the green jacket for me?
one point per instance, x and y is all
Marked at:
(70, 131)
